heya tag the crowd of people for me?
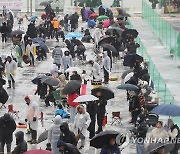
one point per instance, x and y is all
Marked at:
(115, 42)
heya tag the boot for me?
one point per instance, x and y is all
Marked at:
(9, 83)
(13, 85)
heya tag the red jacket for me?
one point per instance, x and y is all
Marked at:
(71, 98)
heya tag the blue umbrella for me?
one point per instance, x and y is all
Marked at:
(167, 109)
(43, 46)
(38, 39)
(91, 23)
(74, 35)
(33, 18)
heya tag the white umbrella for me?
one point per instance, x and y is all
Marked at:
(86, 98)
(71, 69)
(128, 76)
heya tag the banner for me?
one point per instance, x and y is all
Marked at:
(17, 5)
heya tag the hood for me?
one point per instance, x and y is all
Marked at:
(57, 120)
(19, 137)
(62, 78)
(55, 67)
(61, 143)
(64, 127)
(54, 19)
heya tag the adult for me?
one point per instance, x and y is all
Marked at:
(158, 134)
(2, 67)
(106, 67)
(73, 22)
(70, 47)
(54, 134)
(30, 48)
(3, 95)
(67, 136)
(57, 56)
(81, 123)
(67, 148)
(110, 147)
(82, 13)
(4, 32)
(67, 62)
(50, 97)
(95, 70)
(66, 22)
(31, 31)
(21, 144)
(10, 68)
(1, 20)
(56, 26)
(54, 70)
(75, 76)
(7, 127)
(61, 86)
(174, 134)
(32, 118)
(101, 110)
(102, 11)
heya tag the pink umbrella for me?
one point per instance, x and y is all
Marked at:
(106, 23)
(38, 151)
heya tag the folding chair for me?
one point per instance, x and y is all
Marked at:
(58, 98)
(116, 118)
(2, 106)
(12, 112)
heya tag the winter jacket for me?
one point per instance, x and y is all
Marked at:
(75, 77)
(33, 111)
(81, 122)
(101, 107)
(61, 85)
(71, 98)
(57, 55)
(10, 68)
(21, 143)
(54, 134)
(96, 71)
(142, 130)
(6, 130)
(55, 23)
(30, 49)
(110, 149)
(66, 62)
(174, 132)
(67, 136)
(158, 134)
(106, 62)
(31, 31)
(3, 96)
(54, 70)
(68, 148)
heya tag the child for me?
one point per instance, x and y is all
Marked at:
(61, 112)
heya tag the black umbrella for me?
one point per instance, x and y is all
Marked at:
(107, 39)
(103, 138)
(45, 3)
(132, 32)
(126, 73)
(50, 81)
(128, 87)
(71, 86)
(118, 30)
(17, 32)
(153, 147)
(38, 78)
(106, 92)
(130, 59)
(43, 136)
(109, 46)
(123, 22)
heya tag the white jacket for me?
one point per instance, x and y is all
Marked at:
(10, 69)
(82, 122)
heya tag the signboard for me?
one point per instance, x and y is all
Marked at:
(16, 5)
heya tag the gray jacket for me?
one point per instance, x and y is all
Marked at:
(57, 55)
(67, 62)
(54, 134)
(107, 62)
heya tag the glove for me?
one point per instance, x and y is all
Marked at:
(25, 120)
(34, 119)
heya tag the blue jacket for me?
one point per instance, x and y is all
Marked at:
(62, 113)
(110, 149)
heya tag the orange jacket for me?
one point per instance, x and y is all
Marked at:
(55, 23)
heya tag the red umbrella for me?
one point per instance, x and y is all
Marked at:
(38, 151)
(93, 15)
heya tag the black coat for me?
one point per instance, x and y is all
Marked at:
(31, 31)
(3, 96)
(142, 130)
(67, 136)
(101, 11)
(21, 144)
(101, 105)
(6, 130)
